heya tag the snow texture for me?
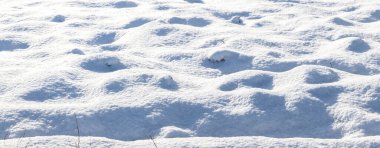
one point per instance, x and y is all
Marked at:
(259, 73)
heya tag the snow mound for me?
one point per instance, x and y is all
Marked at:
(195, 22)
(137, 23)
(340, 21)
(124, 4)
(52, 91)
(227, 61)
(162, 81)
(174, 132)
(9, 45)
(102, 64)
(261, 80)
(194, 1)
(373, 16)
(358, 45)
(103, 38)
(236, 20)
(58, 18)
(76, 51)
(167, 82)
(320, 75)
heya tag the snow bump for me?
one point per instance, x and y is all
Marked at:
(174, 132)
(340, 21)
(58, 19)
(358, 45)
(103, 38)
(320, 75)
(227, 61)
(195, 21)
(103, 64)
(53, 91)
(263, 81)
(10, 45)
(137, 23)
(124, 4)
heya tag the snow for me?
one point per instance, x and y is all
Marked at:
(64, 141)
(190, 73)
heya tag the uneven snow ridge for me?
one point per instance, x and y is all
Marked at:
(135, 69)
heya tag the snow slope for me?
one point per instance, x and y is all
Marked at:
(134, 69)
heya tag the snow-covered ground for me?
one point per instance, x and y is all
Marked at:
(192, 73)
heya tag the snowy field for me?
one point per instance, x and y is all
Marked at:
(190, 73)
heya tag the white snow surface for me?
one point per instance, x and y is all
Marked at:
(190, 73)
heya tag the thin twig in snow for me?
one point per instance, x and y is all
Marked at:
(78, 132)
(151, 138)
(5, 138)
(19, 139)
